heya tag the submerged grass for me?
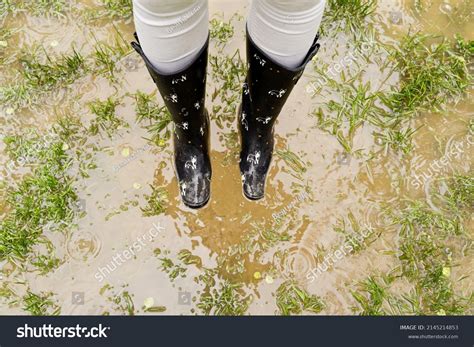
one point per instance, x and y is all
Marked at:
(7, 7)
(188, 258)
(292, 300)
(106, 119)
(5, 35)
(121, 301)
(433, 74)
(371, 297)
(229, 73)
(107, 9)
(419, 215)
(227, 300)
(54, 8)
(261, 238)
(110, 9)
(118, 8)
(461, 193)
(221, 31)
(177, 268)
(358, 235)
(294, 162)
(106, 56)
(346, 15)
(428, 242)
(356, 107)
(173, 270)
(399, 140)
(40, 74)
(156, 202)
(63, 70)
(157, 118)
(40, 304)
(43, 198)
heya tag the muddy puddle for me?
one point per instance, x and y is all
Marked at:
(314, 184)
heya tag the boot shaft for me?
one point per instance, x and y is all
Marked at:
(268, 86)
(184, 94)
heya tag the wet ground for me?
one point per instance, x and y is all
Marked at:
(257, 244)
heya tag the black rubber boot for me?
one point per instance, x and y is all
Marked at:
(265, 92)
(184, 95)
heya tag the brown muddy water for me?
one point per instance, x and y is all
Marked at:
(226, 235)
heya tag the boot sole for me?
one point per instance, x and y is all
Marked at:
(253, 198)
(197, 206)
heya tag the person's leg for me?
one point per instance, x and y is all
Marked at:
(285, 29)
(171, 32)
(173, 40)
(281, 40)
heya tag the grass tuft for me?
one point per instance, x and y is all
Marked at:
(157, 202)
(221, 32)
(371, 297)
(292, 300)
(106, 119)
(228, 300)
(294, 162)
(433, 74)
(229, 73)
(40, 304)
(40, 75)
(346, 15)
(111, 9)
(428, 241)
(118, 8)
(45, 198)
(107, 55)
(158, 118)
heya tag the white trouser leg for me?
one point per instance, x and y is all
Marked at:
(285, 29)
(171, 32)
